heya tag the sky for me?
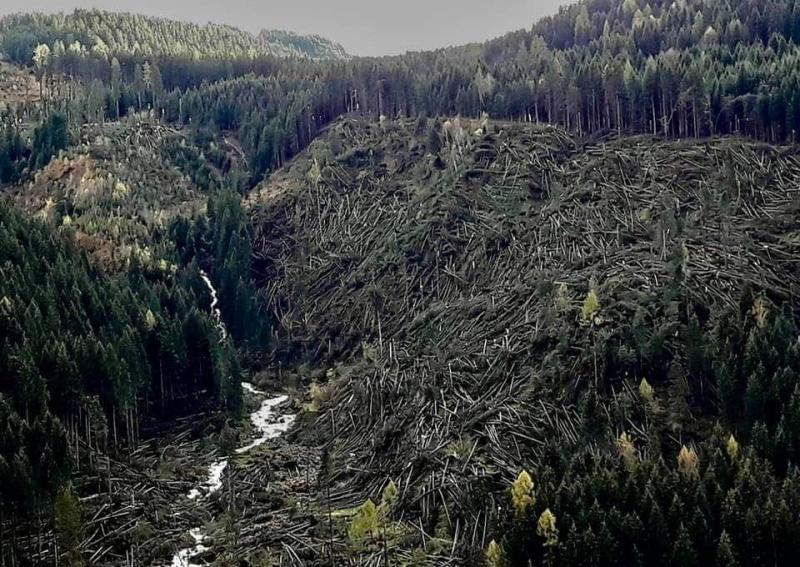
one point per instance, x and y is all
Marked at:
(363, 27)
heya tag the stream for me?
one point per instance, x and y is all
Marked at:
(214, 309)
(267, 424)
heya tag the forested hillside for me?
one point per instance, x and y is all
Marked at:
(111, 34)
(86, 358)
(119, 190)
(106, 329)
(682, 69)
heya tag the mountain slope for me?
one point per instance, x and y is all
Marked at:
(312, 46)
(635, 68)
(86, 359)
(471, 300)
(113, 34)
(118, 190)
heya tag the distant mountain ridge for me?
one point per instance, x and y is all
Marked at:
(119, 34)
(314, 46)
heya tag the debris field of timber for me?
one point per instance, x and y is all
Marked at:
(429, 288)
(430, 302)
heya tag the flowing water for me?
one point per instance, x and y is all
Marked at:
(214, 309)
(266, 424)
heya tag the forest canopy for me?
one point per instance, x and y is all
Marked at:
(679, 69)
(111, 34)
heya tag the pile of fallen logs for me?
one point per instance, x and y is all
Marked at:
(445, 296)
(134, 506)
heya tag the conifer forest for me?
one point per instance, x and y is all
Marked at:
(533, 301)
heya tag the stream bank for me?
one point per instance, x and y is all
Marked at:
(267, 424)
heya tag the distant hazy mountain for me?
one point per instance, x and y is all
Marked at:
(312, 46)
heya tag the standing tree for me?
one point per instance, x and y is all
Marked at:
(147, 77)
(156, 84)
(138, 85)
(522, 497)
(116, 84)
(583, 27)
(68, 527)
(41, 60)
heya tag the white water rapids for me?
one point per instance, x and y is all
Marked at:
(265, 422)
(214, 309)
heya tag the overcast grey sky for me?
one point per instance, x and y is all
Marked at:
(363, 27)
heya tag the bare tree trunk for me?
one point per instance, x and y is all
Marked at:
(3, 538)
(655, 121)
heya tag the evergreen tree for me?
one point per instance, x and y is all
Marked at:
(683, 553)
(726, 556)
(68, 527)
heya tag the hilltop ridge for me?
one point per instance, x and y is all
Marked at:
(120, 34)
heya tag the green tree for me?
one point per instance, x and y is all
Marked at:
(583, 26)
(683, 552)
(365, 523)
(68, 527)
(726, 555)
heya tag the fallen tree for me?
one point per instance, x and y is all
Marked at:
(432, 283)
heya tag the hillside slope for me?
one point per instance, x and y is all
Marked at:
(120, 188)
(113, 34)
(473, 300)
(89, 364)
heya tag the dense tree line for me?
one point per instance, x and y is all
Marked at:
(223, 241)
(713, 504)
(88, 357)
(640, 497)
(112, 34)
(17, 156)
(13, 153)
(680, 69)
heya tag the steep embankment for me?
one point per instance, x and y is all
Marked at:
(472, 300)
